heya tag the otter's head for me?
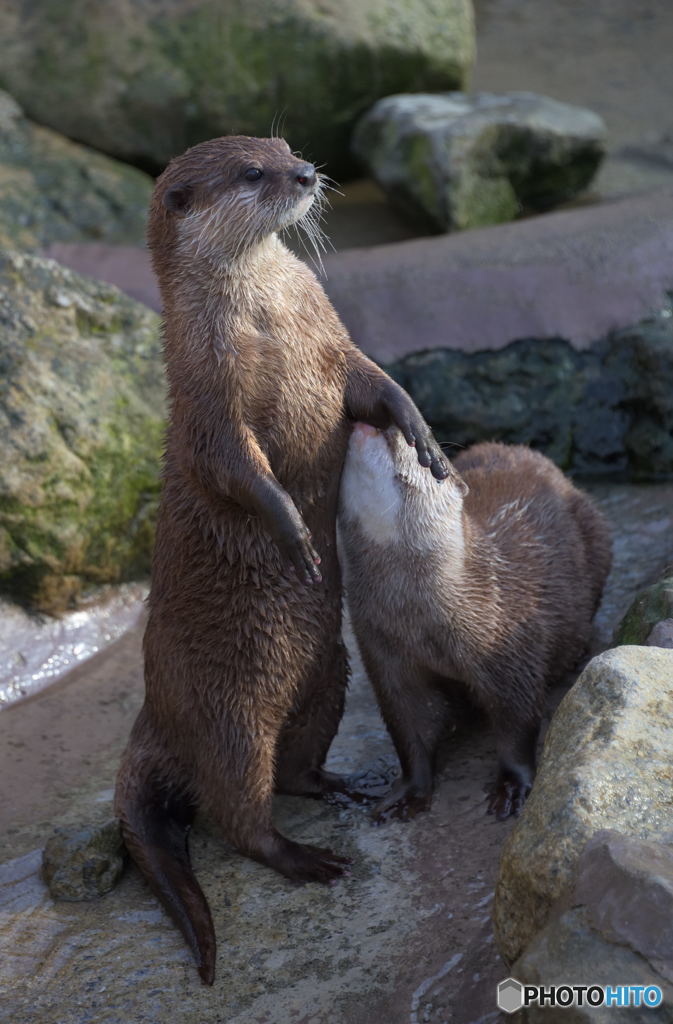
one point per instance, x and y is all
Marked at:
(223, 197)
(391, 498)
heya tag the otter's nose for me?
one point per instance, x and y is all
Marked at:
(306, 176)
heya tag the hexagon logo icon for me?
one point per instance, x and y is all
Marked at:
(510, 995)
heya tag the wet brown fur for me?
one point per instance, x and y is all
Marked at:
(494, 591)
(244, 666)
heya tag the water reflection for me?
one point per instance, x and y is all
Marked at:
(36, 650)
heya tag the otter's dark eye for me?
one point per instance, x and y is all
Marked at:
(253, 174)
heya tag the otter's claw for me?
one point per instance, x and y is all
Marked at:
(429, 453)
(304, 559)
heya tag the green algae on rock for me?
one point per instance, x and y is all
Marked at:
(53, 190)
(81, 428)
(651, 606)
(85, 862)
(454, 161)
(145, 81)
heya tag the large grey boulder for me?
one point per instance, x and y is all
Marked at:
(616, 928)
(145, 80)
(52, 190)
(606, 409)
(81, 424)
(606, 764)
(456, 161)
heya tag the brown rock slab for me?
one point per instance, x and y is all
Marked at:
(626, 884)
(569, 952)
(577, 274)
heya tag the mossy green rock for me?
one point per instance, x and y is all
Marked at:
(52, 190)
(145, 80)
(652, 605)
(83, 863)
(81, 426)
(455, 161)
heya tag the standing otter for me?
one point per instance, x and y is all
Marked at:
(245, 671)
(489, 580)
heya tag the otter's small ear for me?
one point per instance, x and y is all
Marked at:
(178, 199)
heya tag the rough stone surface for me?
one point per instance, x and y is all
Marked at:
(144, 81)
(626, 884)
(605, 765)
(52, 190)
(607, 409)
(455, 161)
(81, 425)
(83, 863)
(661, 635)
(567, 951)
(617, 924)
(651, 606)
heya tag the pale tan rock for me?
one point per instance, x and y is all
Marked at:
(606, 764)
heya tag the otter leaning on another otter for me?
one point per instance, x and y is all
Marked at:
(244, 666)
(490, 580)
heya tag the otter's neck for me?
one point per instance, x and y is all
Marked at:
(214, 302)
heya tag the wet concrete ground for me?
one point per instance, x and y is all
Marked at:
(405, 939)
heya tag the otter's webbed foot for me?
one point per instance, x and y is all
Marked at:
(303, 863)
(508, 796)
(320, 784)
(404, 801)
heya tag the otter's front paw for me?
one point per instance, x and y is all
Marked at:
(302, 557)
(416, 432)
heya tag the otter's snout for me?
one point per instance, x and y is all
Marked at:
(305, 176)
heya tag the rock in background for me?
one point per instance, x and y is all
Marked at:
(81, 427)
(606, 764)
(52, 190)
(145, 81)
(608, 409)
(652, 608)
(454, 161)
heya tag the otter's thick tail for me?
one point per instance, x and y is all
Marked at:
(155, 825)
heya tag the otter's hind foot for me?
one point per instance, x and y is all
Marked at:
(303, 863)
(508, 797)
(404, 801)
(336, 789)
